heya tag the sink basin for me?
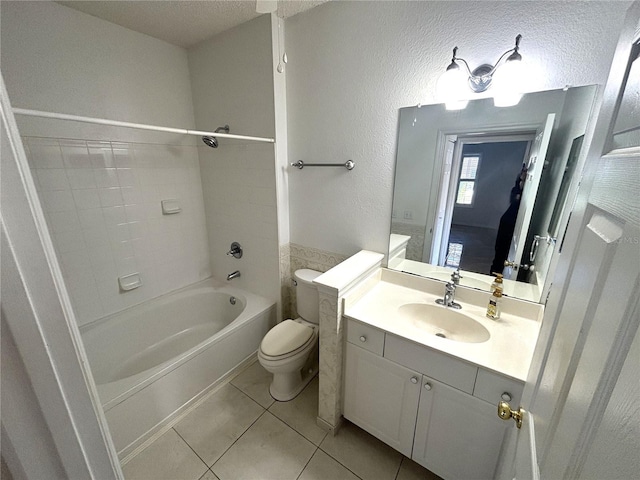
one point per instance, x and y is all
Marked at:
(444, 322)
(464, 281)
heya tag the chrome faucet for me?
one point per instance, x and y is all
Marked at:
(233, 275)
(449, 297)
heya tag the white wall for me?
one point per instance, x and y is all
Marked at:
(102, 199)
(57, 59)
(352, 65)
(232, 84)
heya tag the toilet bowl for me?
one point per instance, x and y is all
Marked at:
(290, 349)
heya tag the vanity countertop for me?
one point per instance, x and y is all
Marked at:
(508, 351)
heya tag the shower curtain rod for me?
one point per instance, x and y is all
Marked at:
(140, 126)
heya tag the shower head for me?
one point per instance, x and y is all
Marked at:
(213, 141)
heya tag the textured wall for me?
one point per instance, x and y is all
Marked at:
(352, 65)
(57, 59)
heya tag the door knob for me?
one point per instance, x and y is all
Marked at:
(414, 380)
(505, 413)
(515, 266)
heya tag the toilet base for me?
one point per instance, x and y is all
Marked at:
(288, 386)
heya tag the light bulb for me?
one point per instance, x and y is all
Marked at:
(452, 87)
(507, 83)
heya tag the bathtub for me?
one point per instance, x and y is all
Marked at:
(152, 361)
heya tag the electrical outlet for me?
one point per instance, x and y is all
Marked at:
(408, 215)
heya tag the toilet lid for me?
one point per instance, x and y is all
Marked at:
(284, 338)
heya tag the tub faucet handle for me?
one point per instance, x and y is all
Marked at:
(236, 250)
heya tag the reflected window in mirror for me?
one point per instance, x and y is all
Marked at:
(467, 180)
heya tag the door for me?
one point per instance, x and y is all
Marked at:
(438, 249)
(381, 397)
(582, 381)
(457, 436)
(529, 193)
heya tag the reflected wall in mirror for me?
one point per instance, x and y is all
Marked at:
(484, 189)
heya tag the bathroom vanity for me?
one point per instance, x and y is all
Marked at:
(427, 379)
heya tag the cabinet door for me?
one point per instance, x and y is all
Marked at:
(457, 436)
(381, 397)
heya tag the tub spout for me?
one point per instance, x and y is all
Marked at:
(233, 275)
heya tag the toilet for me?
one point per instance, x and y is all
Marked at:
(290, 349)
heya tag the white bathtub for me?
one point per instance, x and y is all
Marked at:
(152, 360)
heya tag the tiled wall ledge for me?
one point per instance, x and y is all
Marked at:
(293, 257)
(332, 287)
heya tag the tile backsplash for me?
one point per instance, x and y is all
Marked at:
(102, 202)
(294, 257)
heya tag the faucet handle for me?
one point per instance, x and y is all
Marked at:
(236, 250)
(455, 276)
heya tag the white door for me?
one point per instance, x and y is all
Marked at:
(442, 227)
(582, 395)
(529, 193)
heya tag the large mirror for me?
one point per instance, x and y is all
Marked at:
(484, 189)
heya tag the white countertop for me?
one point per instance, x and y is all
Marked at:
(508, 351)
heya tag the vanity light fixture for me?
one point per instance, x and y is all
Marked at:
(506, 78)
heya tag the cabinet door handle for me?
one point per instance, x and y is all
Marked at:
(414, 380)
(506, 396)
(363, 338)
(427, 386)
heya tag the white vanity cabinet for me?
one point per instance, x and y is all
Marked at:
(457, 435)
(434, 408)
(381, 397)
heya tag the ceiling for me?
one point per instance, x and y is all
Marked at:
(183, 22)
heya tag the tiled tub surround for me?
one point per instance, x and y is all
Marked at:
(238, 182)
(102, 205)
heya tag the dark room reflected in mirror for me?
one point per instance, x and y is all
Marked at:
(485, 189)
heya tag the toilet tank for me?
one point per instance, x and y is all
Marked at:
(307, 295)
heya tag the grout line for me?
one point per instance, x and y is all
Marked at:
(250, 397)
(187, 443)
(399, 467)
(235, 441)
(308, 461)
(331, 456)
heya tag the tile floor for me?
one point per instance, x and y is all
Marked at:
(240, 432)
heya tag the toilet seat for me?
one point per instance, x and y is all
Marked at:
(286, 339)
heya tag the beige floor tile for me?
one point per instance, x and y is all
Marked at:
(362, 453)
(218, 422)
(410, 470)
(301, 413)
(209, 476)
(268, 450)
(255, 381)
(168, 458)
(323, 467)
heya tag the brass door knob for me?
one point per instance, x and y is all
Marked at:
(505, 413)
(513, 265)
